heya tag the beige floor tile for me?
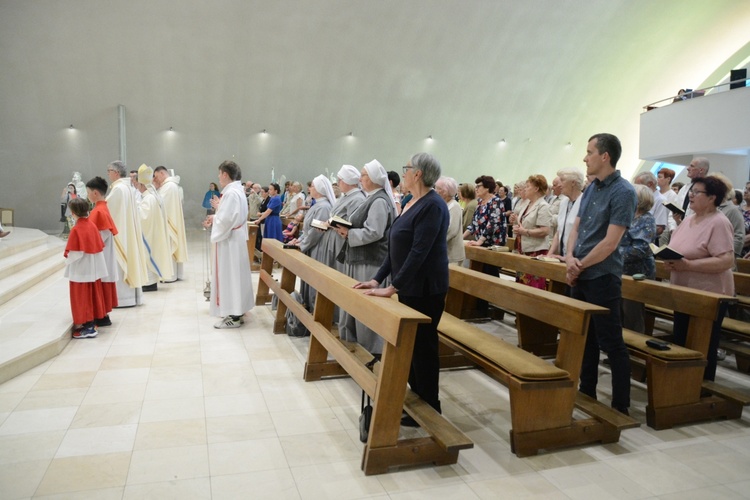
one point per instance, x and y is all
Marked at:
(21, 479)
(174, 389)
(176, 359)
(97, 441)
(294, 396)
(246, 456)
(52, 419)
(235, 404)
(523, 486)
(659, 473)
(324, 447)
(9, 400)
(462, 491)
(167, 464)
(52, 398)
(68, 364)
(120, 362)
(343, 480)
(491, 459)
(124, 393)
(107, 414)
(21, 384)
(120, 376)
(158, 410)
(240, 428)
(93, 472)
(306, 421)
(66, 381)
(170, 434)
(276, 484)
(421, 478)
(595, 479)
(29, 447)
(176, 373)
(186, 489)
(102, 494)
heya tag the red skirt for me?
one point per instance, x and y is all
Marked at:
(86, 301)
(109, 291)
(539, 282)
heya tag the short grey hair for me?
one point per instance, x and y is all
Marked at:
(646, 178)
(122, 170)
(429, 166)
(572, 174)
(450, 185)
(645, 198)
(702, 163)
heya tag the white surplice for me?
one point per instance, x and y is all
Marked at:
(231, 283)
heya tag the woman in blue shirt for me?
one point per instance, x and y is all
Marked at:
(212, 191)
(270, 218)
(417, 262)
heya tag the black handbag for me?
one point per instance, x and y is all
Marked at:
(364, 418)
(366, 413)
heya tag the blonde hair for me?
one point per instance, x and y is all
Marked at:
(645, 198)
(723, 178)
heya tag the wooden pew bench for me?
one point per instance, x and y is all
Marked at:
(735, 332)
(543, 395)
(386, 383)
(674, 378)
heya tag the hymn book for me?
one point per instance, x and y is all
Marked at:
(664, 252)
(674, 208)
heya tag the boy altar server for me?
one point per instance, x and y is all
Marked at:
(96, 189)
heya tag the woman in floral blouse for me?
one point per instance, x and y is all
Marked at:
(487, 228)
(637, 255)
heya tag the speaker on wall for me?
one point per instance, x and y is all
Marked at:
(738, 74)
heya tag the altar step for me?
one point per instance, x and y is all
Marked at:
(35, 318)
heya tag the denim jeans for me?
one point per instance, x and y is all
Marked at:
(605, 334)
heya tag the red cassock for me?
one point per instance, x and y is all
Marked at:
(103, 221)
(86, 294)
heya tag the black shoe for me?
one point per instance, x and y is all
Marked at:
(407, 421)
(105, 321)
(624, 411)
(150, 288)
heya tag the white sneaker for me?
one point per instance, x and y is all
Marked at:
(228, 322)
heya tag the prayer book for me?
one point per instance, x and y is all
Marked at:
(337, 221)
(674, 208)
(320, 224)
(664, 252)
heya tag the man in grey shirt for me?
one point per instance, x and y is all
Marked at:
(594, 264)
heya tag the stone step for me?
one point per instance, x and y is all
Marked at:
(12, 285)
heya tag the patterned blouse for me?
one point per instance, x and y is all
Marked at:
(634, 247)
(489, 222)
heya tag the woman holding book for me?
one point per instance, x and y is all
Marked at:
(366, 246)
(270, 216)
(310, 240)
(705, 241)
(417, 262)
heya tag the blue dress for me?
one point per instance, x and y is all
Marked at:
(272, 224)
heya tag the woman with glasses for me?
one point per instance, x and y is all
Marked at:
(487, 228)
(705, 241)
(417, 262)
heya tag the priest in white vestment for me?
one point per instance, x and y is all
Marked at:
(155, 232)
(231, 282)
(169, 189)
(129, 248)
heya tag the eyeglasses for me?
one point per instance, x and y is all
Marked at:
(695, 193)
(478, 186)
(406, 168)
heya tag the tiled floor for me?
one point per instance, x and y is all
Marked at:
(162, 405)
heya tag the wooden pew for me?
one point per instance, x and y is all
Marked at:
(386, 383)
(674, 377)
(736, 332)
(542, 395)
(252, 252)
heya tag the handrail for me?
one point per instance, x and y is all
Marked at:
(692, 93)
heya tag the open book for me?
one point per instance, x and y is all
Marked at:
(320, 224)
(674, 208)
(665, 253)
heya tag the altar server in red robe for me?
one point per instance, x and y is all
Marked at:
(85, 268)
(102, 219)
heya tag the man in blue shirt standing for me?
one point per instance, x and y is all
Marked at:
(594, 265)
